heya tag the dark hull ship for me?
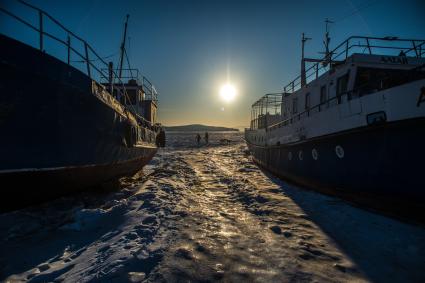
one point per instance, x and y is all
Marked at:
(352, 125)
(63, 130)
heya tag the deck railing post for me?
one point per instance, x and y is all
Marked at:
(346, 50)
(317, 70)
(368, 46)
(87, 59)
(68, 43)
(111, 78)
(40, 14)
(414, 48)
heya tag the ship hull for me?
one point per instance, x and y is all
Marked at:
(57, 136)
(31, 186)
(380, 165)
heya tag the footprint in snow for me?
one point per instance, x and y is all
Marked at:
(184, 253)
(276, 229)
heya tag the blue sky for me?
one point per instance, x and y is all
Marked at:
(189, 49)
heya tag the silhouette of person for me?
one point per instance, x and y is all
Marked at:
(198, 138)
(206, 137)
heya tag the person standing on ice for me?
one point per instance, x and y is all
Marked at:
(198, 138)
(206, 137)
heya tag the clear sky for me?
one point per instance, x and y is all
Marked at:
(189, 49)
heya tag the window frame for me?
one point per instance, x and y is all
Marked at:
(323, 94)
(295, 105)
(307, 101)
(338, 86)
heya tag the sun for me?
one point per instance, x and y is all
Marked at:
(228, 92)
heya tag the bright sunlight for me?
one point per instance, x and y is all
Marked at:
(228, 92)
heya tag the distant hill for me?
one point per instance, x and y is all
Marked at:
(198, 128)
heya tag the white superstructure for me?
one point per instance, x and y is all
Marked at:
(358, 91)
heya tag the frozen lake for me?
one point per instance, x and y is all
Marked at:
(207, 213)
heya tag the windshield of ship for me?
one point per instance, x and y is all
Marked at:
(370, 80)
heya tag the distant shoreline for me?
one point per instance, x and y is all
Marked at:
(199, 128)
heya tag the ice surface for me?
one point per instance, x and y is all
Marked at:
(207, 213)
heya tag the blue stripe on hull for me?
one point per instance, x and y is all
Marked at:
(384, 161)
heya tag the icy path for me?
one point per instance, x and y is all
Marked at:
(233, 229)
(207, 214)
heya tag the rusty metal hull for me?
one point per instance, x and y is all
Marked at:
(57, 136)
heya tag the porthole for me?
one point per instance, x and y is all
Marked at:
(290, 155)
(339, 151)
(314, 154)
(300, 155)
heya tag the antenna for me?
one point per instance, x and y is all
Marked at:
(123, 45)
(326, 42)
(303, 76)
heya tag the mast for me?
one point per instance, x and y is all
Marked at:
(303, 76)
(326, 42)
(123, 46)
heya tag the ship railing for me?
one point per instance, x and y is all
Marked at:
(132, 73)
(150, 90)
(363, 45)
(129, 73)
(269, 104)
(331, 102)
(92, 60)
(416, 73)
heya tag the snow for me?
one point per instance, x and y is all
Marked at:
(207, 213)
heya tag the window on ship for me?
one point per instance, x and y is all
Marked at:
(294, 106)
(307, 101)
(341, 86)
(370, 80)
(323, 94)
(140, 99)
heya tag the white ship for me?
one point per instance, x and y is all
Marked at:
(353, 122)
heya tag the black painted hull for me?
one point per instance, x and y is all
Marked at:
(30, 187)
(57, 137)
(381, 165)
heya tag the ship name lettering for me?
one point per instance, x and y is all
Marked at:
(394, 59)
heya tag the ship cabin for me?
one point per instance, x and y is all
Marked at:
(360, 83)
(138, 95)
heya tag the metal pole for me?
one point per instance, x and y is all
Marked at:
(87, 59)
(111, 78)
(303, 78)
(41, 29)
(368, 45)
(414, 48)
(267, 104)
(346, 50)
(317, 70)
(123, 46)
(251, 120)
